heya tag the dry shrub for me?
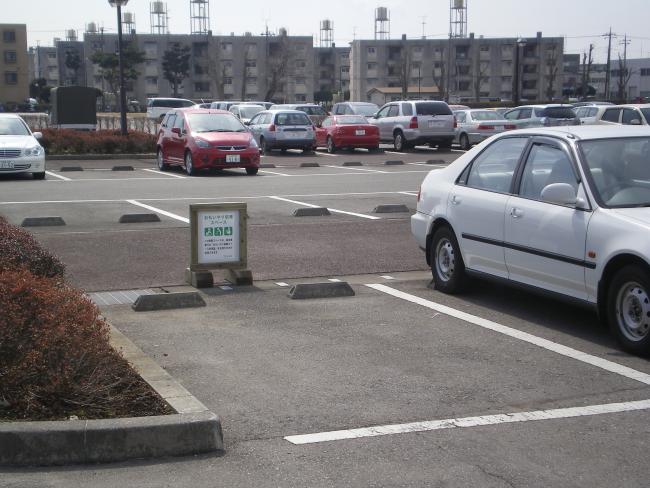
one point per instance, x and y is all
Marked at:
(18, 248)
(68, 141)
(55, 357)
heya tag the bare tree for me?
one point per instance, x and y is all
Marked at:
(277, 65)
(552, 69)
(405, 71)
(216, 69)
(624, 75)
(440, 80)
(480, 72)
(586, 70)
(246, 71)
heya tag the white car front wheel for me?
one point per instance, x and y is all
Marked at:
(629, 309)
(447, 264)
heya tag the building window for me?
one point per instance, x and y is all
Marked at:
(463, 85)
(300, 81)
(151, 80)
(51, 55)
(227, 81)
(202, 86)
(345, 69)
(252, 80)
(530, 84)
(10, 57)
(463, 70)
(372, 50)
(301, 63)
(645, 71)
(200, 70)
(485, 48)
(9, 36)
(372, 66)
(301, 98)
(11, 78)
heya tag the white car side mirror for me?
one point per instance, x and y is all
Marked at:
(562, 194)
(37, 135)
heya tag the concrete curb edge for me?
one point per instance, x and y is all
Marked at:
(192, 430)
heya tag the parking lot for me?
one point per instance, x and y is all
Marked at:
(397, 386)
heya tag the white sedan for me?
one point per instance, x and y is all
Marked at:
(20, 151)
(565, 210)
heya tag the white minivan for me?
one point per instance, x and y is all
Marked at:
(158, 107)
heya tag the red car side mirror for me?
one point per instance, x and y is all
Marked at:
(176, 130)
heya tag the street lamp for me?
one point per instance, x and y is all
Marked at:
(119, 4)
(520, 44)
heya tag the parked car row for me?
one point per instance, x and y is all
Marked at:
(629, 114)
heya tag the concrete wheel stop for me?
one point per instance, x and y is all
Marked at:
(311, 212)
(436, 161)
(309, 165)
(304, 291)
(267, 165)
(71, 168)
(353, 163)
(392, 208)
(138, 218)
(168, 301)
(42, 222)
(394, 163)
(192, 430)
(123, 168)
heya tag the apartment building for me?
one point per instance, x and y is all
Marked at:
(44, 63)
(331, 73)
(481, 69)
(634, 81)
(14, 64)
(246, 67)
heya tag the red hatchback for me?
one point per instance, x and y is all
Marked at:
(349, 131)
(206, 139)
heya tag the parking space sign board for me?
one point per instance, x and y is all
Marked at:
(218, 235)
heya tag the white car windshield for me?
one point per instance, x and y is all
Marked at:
(215, 123)
(248, 112)
(12, 127)
(620, 170)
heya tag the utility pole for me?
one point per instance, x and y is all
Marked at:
(609, 63)
(424, 23)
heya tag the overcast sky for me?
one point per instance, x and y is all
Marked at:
(580, 21)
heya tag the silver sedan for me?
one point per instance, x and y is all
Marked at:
(474, 126)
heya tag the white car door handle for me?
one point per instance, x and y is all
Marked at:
(516, 213)
(455, 200)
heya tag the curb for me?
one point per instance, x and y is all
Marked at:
(192, 430)
(97, 157)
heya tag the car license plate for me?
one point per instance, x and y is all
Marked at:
(498, 127)
(6, 164)
(360, 132)
(232, 158)
(435, 123)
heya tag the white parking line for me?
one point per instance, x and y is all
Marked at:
(355, 169)
(333, 210)
(49, 173)
(160, 211)
(334, 280)
(324, 154)
(517, 334)
(282, 284)
(166, 174)
(410, 193)
(273, 172)
(212, 198)
(395, 152)
(480, 421)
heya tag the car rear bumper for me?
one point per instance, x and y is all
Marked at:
(356, 141)
(292, 144)
(420, 225)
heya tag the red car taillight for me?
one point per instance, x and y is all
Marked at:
(510, 127)
(455, 122)
(485, 127)
(272, 128)
(419, 194)
(414, 123)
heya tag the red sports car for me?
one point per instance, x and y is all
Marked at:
(350, 131)
(206, 139)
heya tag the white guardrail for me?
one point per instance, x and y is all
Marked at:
(136, 122)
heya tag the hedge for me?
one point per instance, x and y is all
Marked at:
(68, 141)
(18, 248)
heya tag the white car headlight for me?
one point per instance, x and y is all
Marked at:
(253, 143)
(202, 143)
(34, 151)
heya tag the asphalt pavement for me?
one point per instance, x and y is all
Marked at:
(397, 386)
